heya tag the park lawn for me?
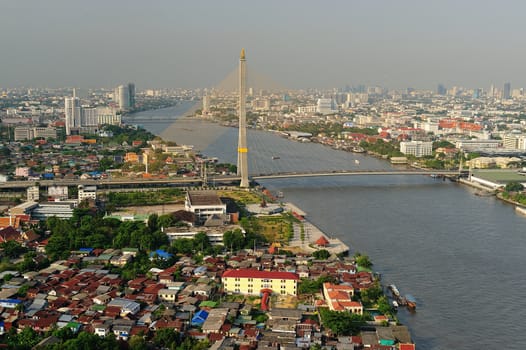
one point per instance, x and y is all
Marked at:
(243, 197)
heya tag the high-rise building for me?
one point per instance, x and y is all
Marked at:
(326, 106)
(242, 150)
(123, 97)
(441, 89)
(206, 104)
(72, 112)
(131, 94)
(506, 92)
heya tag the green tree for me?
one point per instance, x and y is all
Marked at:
(166, 338)
(137, 342)
(233, 239)
(23, 340)
(514, 187)
(12, 249)
(322, 254)
(363, 261)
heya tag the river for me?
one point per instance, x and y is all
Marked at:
(462, 256)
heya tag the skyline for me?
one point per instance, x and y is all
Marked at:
(298, 44)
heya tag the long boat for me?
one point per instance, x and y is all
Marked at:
(410, 301)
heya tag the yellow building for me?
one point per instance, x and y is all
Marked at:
(245, 281)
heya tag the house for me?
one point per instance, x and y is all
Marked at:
(339, 298)
(246, 281)
(168, 295)
(215, 320)
(126, 306)
(122, 328)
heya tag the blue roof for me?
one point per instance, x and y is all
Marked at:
(161, 253)
(200, 317)
(14, 301)
(87, 250)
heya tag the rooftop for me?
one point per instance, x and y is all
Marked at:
(204, 198)
(246, 273)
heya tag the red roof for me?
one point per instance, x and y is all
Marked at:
(246, 273)
(322, 241)
(407, 346)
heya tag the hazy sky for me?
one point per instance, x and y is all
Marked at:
(298, 43)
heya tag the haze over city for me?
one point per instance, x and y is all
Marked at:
(299, 44)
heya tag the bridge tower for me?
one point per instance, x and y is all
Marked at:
(242, 150)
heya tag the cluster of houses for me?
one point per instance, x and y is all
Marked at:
(218, 299)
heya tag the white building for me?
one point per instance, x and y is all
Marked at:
(306, 109)
(515, 141)
(87, 192)
(33, 194)
(72, 111)
(29, 133)
(206, 104)
(325, 106)
(417, 148)
(478, 144)
(123, 97)
(204, 204)
(58, 192)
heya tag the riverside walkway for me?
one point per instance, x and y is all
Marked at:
(311, 233)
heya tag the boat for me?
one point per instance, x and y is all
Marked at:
(358, 149)
(411, 302)
(357, 162)
(395, 304)
(275, 157)
(394, 290)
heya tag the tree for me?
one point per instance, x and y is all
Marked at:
(153, 222)
(12, 249)
(322, 254)
(514, 187)
(233, 239)
(342, 323)
(363, 261)
(137, 342)
(166, 338)
(23, 340)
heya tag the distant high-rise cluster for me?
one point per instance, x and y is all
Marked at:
(79, 118)
(124, 96)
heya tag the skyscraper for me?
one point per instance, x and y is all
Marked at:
(206, 104)
(441, 89)
(506, 92)
(123, 97)
(242, 150)
(72, 112)
(131, 94)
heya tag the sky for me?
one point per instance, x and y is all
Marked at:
(297, 43)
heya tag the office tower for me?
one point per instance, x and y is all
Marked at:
(441, 89)
(242, 150)
(72, 112)
(123, 97)
(131, 95)
(206, 104)
(506, 92)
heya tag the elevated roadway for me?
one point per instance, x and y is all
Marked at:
(224, 179)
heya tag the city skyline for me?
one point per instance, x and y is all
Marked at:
(297, 44)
